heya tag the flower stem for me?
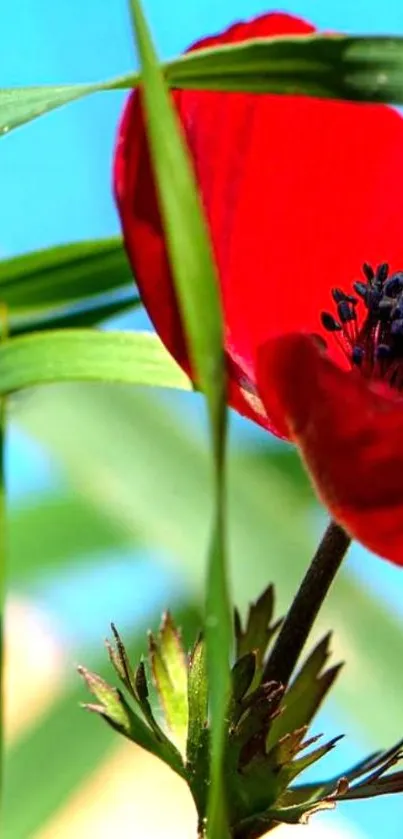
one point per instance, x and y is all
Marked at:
(307, 602)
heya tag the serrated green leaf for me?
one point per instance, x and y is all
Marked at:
(389, 785)
(115, 710)
(305, 694)
(197, 698)
(82, 745)
(169, 667)
(259, 628)
(288, 773)
(120, 661)
(144, 701)
(90, 356)
(198, 731)
(242, 674)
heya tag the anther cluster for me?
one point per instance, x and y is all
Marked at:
(373, 343)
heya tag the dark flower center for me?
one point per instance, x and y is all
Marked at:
(376, 347)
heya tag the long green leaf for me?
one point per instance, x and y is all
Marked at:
(63, 274)
(72, 285)
(82, 316)
(87, 355)
(197, 288)
(330, 66)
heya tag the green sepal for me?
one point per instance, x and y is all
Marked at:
(260, 627)
(198, 742)
(169, 669)
(306, 693)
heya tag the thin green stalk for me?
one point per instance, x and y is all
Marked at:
(3, 565)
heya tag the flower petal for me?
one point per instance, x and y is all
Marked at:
(298, 192)
(349, 433)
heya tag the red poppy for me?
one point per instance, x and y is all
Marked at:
(298, 193)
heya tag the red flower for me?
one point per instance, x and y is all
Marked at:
(298, 193)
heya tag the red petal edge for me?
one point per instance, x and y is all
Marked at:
(349, 434)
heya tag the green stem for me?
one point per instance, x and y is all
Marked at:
(3, 555)
(307, 602)
(3, 560)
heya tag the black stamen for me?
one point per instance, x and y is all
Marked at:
(368, 271)
(394, 285)
(338, 295)
(345, 311)
(382, 272)
(357, 355)
(361, 289)
(382, 352)
(329, 322)
(397, 328)
(374, 342)
(397, 313)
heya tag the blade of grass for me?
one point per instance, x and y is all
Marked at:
(87, 355)
(89, 313)
(197, 289)
(329, 66)
(63, 274)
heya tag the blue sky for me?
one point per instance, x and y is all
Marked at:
(55, 172)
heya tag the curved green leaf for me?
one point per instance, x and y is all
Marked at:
(87, 355)
(330, 66)
(63, 274)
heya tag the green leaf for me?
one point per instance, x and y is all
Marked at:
(306, 693)
(197, 698)
(260, 627)
(65, 274)
(197, 288)
(67, 318)
(68, 286)
(89, 356)
(197, 766)
(329, 66)
(243, 673)
(114, 708)
(169, 668)
(20, 105)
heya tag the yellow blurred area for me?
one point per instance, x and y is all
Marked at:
(34, 666)
(131, 794)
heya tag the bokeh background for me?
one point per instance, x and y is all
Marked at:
(108, 487)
